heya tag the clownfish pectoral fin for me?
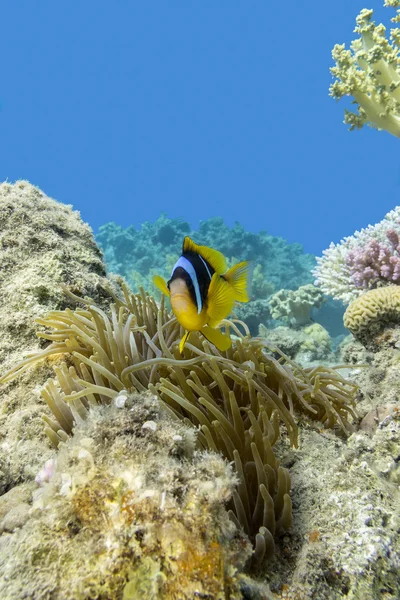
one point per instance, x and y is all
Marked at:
(183, 341)
(220, 340)
(238, 277)
(161, 284)
(213, 257)
(220, 300)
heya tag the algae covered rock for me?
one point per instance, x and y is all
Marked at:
(43, 244)
(130, 511)
(346, 518)
(345, 541)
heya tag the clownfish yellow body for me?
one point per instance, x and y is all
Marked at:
(203, 292)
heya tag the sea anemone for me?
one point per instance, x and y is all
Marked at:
(236, 399)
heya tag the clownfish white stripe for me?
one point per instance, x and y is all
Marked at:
(205, 264)
(185, 264)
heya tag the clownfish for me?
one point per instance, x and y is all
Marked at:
(203, 291)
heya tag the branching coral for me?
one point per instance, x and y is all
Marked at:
(363, 260)
(377, 262)
(370, 72)
(236, 399)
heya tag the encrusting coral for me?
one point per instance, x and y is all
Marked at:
(294, 306)
(236, 399)
(369, 313)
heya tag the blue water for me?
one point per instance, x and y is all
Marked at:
(196, 108)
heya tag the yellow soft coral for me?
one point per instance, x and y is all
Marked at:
(370, 72)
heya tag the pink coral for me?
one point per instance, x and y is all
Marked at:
(375, 262)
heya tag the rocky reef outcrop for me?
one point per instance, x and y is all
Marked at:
(43, 244)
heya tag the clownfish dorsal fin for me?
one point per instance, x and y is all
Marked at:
(220, 300)
(213, 257)
(222, 341)
(161, 284)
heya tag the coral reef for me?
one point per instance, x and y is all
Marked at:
(138, 254)
(330, 316)
(362, 261)
(344, 542)
(374, 310)
(60, 248)
(235, 398)
(294, 306)
(345, 498)
(303, 340)
(260, 286)
(53, 247)
(317, 343)
(370, 73)
(304, 345)
(253, 313)
(76, 532)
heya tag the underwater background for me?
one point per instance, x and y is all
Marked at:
(147, 122)
(196, 109)
(214, 115)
